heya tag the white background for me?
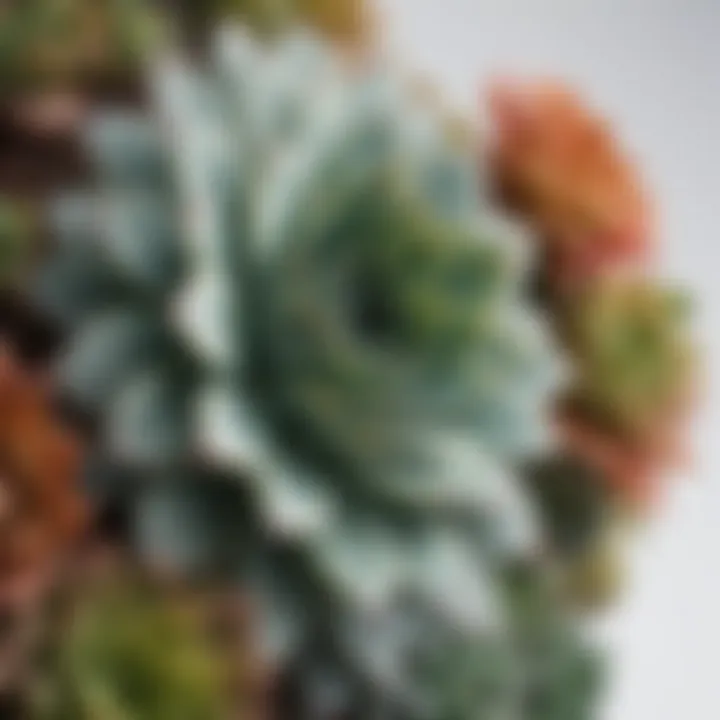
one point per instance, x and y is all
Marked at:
(653, 67)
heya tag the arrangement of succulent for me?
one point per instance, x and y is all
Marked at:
(321, 383)
(311, 340)
(633, 362)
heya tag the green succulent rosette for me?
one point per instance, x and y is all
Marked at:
(634, 352)
(125, 647)
(316, 367)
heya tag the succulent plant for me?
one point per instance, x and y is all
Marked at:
(309, 342)
(42, 511)
(122, 645)
(50, 43)
(636, 366)
(634, 353)
(563, 170)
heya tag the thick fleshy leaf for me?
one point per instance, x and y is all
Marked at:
(365, 561)
(213, 209)
(294, 502)
(190, 522)
(230, 431)
(291, 499)
(106, 352)
(74, 221)
(148, 420)
(77, 280)
(172, 530)
(126, 148)
(204, 181)
(203, 312)
(425, 669)
(138, 234)
(341, 152)
(450, 473)
(283, 620)
(456, 580)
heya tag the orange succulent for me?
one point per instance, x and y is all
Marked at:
(561, 168)
(41, 510)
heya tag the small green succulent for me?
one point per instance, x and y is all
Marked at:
(128, 651)
(635, 357)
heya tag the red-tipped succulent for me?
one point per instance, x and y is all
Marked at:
(635, 379)
(562, 169)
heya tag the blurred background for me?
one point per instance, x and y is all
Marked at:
(651, 66)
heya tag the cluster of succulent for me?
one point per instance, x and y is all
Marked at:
(627, 338)
(309, 340)
(321, 386)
